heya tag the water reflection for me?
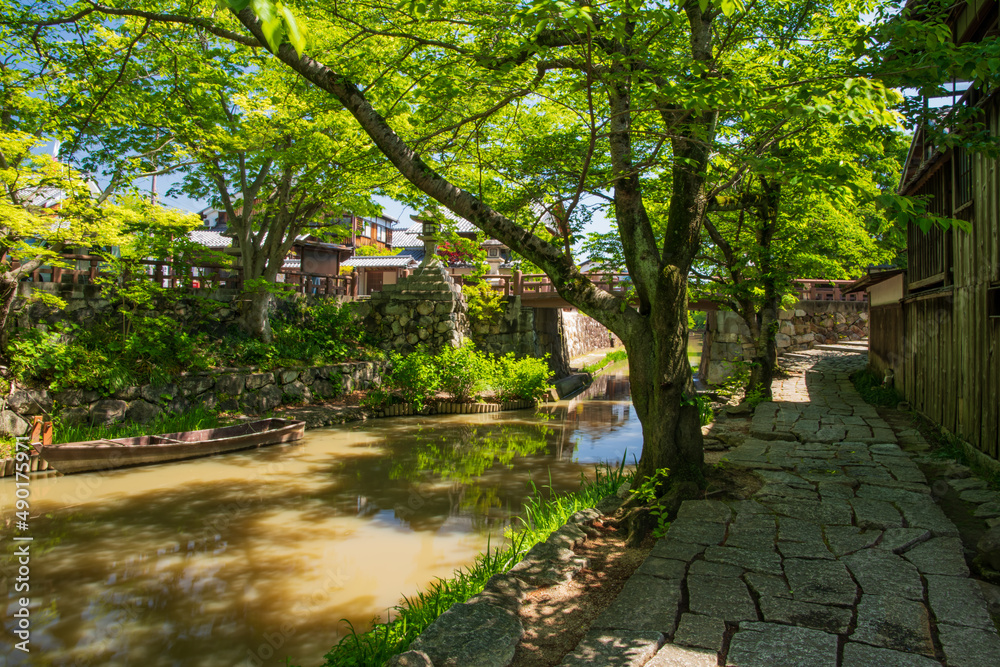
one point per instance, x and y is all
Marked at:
(248, 558)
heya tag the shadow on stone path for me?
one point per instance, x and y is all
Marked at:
(842, 557)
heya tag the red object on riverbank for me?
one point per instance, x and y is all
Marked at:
(106, 454)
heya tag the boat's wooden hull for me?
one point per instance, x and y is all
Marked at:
(76, 457)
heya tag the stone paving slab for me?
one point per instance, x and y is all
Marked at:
(614, 649)
(771, 644)
(644, 604)
(842, 558)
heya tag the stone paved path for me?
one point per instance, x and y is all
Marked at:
(842, 557)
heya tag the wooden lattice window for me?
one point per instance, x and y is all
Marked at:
(928, 253)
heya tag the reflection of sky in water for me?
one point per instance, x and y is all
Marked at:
(608, 445)
(212, 562)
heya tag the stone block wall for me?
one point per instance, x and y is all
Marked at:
(810, 323)
(245, 390)
(425, 308)
(513, 331)
(585, 334)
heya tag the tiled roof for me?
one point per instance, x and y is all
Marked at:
(389, 262)
(210, 239)
(403, 239)
(462, 226)
(416, 253)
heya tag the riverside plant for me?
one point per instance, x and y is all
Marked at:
(542, 514)
(192, 420)
(609, 358)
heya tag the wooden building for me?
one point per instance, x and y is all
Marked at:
(942, 336)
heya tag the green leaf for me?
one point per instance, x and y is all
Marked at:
(295, 34)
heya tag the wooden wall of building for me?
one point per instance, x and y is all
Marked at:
(885, 341)
(952, 346)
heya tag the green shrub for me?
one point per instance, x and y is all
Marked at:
(484, 303)
(705, 414)
(463, 372)
(415, 377)
(62, 360)
(157, 348)
(8, 447)
(322, 333)
(519, 379)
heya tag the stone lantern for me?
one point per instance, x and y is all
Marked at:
(429, 235)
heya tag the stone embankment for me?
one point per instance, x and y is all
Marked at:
(425, 308)
(243, 390)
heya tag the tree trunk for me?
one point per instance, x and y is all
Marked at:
(255, 319)
(8, 292)
(766, 348)
(662, 388)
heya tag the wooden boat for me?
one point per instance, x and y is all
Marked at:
(106, 454)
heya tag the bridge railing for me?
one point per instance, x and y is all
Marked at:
(540, 285)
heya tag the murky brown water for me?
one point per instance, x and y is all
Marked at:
(247, 558)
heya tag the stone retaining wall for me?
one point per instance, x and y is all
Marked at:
(242, 390)
(585, 334)
(809, 324)
(425, 308)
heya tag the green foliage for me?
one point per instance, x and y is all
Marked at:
(415, 377)
(150, 347)
(697, 320)
(372, 250)
(705, 414)
(519, 379)
(8, 446)
(738, 379)
(463, 372)
(754, 397)
(485, 304)
(873, 391)
(324, 332)
(62, 360)
(543, 513)
(192, 420)
(648, 493)
(609, 358)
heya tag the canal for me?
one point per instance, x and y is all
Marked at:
(249, 558)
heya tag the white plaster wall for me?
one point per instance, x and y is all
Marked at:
(886, 292)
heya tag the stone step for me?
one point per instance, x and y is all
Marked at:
(842, 347)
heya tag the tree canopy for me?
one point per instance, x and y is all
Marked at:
(660, 110)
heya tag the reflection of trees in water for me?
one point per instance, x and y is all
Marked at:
(436, 475)
(459, 455)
